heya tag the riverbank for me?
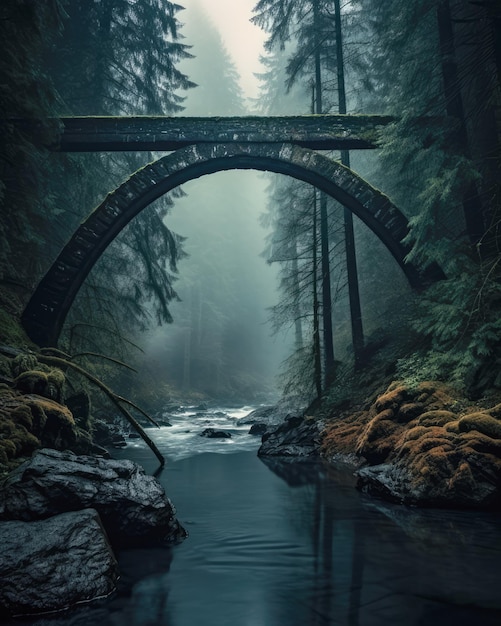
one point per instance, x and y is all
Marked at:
(422, 444)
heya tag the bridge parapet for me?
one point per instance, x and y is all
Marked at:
(162, 133)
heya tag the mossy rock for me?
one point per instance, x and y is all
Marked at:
(15, 439)
(379, 438)
(32, 381)
(479, 442)
(41, 382)
(483, 423)
(23, 363)
(436, 417)
(409, 410)
(392, 399)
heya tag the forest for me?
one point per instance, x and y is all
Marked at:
(182, 308)
(363, 339)
(340, 295)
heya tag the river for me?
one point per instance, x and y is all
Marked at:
(275, 543)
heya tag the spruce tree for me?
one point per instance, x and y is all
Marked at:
(418, 65)
(27, 30)
(118, 58)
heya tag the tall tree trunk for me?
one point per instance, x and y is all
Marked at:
(357, 332)
(324, 226)
(317, 367)
(99, 79)
(298, 327)
(472, 206)
(187, 359)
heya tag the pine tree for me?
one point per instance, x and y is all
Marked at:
(317, 59)
(119, 58)
(27, 30)
(311, 53)
(420, 61)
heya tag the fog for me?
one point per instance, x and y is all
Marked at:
(220, 342)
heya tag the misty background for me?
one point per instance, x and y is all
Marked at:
(225, 340)
(221, 341)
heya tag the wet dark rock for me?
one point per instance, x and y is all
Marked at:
(258, 428)
(173, 408)
(212, 433)
(272, 416)
(53, 564)
(398, 483)
(161, 420)
(79, 405)
(108, 433)
(298, 436)
(263, 415)
(133, 506)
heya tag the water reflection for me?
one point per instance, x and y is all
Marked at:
(300, 546)
(380, 563)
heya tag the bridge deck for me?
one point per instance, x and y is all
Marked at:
(317, 132)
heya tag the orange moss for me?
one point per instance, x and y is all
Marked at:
(452, 427)
(340, 436)
(436, 417)
(462, 479)
(431, 467)
(478, 442)
(445, 447)
(378, 438)
(482, 422)
(409, 411)
(392, 399)
(495, 411)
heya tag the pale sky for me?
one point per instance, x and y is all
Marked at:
(243, 40)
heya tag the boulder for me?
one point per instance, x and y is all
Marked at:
(448, 482)
(132, 505)
(424, 445)
(258, 428)
(53, 564)
(109, 433)
(212, 433)
(269, 415)
(297, 436)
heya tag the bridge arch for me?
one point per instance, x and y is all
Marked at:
(47, 309)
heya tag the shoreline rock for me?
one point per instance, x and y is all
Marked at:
(61, 516)
(420, 444)
(424, 445)
(56, 563)
(296, 437)
(133, 506)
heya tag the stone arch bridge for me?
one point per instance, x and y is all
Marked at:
(200, 146)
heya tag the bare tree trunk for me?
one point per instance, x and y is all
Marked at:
(324, 230)
(316, 320)
(298, 328)
(357, 332)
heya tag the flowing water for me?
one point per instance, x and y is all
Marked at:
(295, 544)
